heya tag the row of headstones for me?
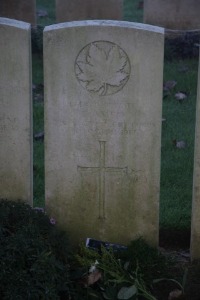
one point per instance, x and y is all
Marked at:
(179, 14)
(103, 120)
(66, 10)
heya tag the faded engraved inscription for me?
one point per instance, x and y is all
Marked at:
(102, 68)
(102, 169)
(7, 125)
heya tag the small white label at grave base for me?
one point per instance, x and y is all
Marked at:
(102, 67)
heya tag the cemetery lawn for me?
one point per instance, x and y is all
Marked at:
(177, 163)
(45, 12)
(38, 127)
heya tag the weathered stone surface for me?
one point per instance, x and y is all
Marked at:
(23, 10)
(74, 10)
(173, 14)
(195, 228)
(15, 111)
(103, 103)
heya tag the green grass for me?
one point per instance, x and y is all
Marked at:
(176, 164)
(132, 11)
(38, 157)
(38, 126)
(37, 69)
(49, 6)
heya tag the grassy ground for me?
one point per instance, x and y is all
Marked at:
(132, 11)
(38, 126)
(176, 164)
(49, 6)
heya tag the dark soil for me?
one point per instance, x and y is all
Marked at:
(174, 239)
(176, 244)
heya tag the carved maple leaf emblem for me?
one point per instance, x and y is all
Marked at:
(102, 68)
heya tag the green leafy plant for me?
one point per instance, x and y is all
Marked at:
(33, 254)
(125, 274)
(152, 263)
(180, 292)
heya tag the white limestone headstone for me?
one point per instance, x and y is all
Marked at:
(15, 111)
(172, 14)
(75, 10)
(103, 103)
(195, 228)
(22, 10)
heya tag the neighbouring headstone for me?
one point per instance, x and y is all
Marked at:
(195, 228)
(15, 111)
(173, 14)
(23, 10)
(74, 10)
(103, 104)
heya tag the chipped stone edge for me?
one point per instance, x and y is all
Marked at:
(108, 23)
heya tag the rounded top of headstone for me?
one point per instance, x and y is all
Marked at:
(108, 23)
(14, 23)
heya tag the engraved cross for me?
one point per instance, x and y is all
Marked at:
(102, 170)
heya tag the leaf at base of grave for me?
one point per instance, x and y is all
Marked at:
(169, 85)
(179, 144)
(180, 96)
(38, 98)
(183, 69)
(94, 277)
(90, 279)
(34, 86)
(127, 292)
(42, 13)
(39, 136)
(126, 265)
(176, 295)
(38, 87)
